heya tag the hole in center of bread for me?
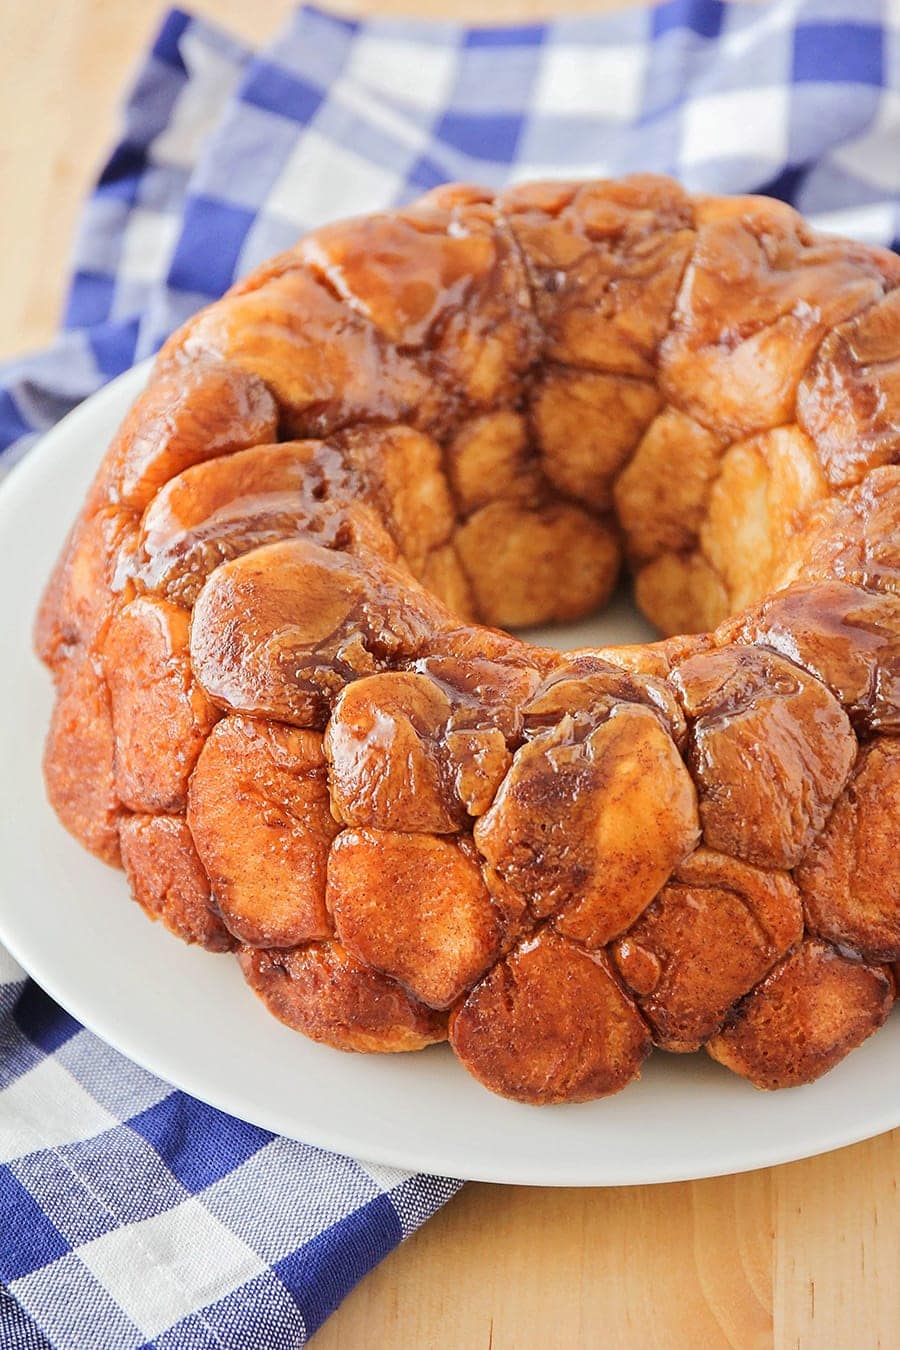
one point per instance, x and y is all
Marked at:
(619, 623)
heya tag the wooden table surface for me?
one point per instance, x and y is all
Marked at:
(804, 1255)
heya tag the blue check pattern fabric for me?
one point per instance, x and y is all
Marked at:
(132, 1215)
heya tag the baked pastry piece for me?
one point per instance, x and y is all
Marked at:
(283, 706)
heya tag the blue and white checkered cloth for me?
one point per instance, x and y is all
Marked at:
(131, 1214)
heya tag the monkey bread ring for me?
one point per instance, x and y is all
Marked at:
(287, 706)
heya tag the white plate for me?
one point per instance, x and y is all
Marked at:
(189, 1017)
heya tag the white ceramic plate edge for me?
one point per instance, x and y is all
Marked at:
(549, 1151)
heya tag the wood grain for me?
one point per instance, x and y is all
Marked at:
(799, 1256)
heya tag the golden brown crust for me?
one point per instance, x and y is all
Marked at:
(661, 512)
(383, 749)
(847, 397)
(416, 908)
(280, 631)
(846, 637)
(681, 593)
(709, 936)
(326, 366)
(850, 878)
(804, 1017)
(402, 474)
(468, 411)
(168, 881)
(783, 290)
(188, 415)
(83, 591)
(771, 749)
(856, 538)
(260, 818)
(224, 507)
(590, 820)
(514, 556)
(78, 759)
(764, 492)
(155, 702)
(489, 459)
(592, 682)
(550, 1024)
(588, 426)
(183, 417)
(613, 249)
(323, 992)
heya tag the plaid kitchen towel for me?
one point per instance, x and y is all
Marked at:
(130, 1214)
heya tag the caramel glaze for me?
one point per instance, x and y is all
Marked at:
(277, 704)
